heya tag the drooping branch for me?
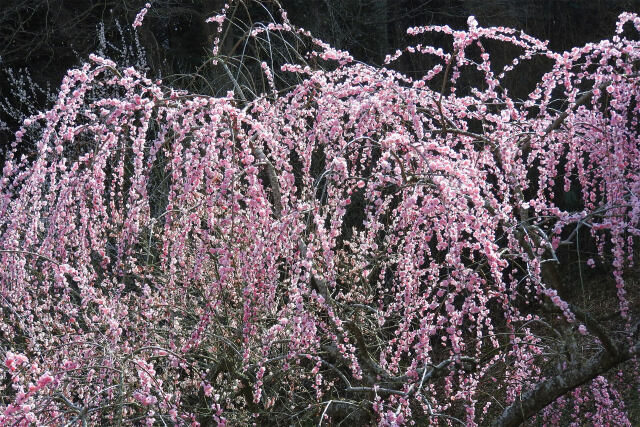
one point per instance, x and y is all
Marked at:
(551, 389)
(582, 100)
(597, 329)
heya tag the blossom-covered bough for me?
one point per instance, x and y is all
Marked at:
(362, 246)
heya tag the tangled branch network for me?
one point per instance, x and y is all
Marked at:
(362, 245)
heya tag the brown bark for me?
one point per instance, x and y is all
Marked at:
(549, 390)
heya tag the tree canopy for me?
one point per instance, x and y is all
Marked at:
(330, 240)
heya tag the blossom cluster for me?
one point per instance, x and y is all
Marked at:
(174, 258)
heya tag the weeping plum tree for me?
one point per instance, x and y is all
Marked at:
(360, 245)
